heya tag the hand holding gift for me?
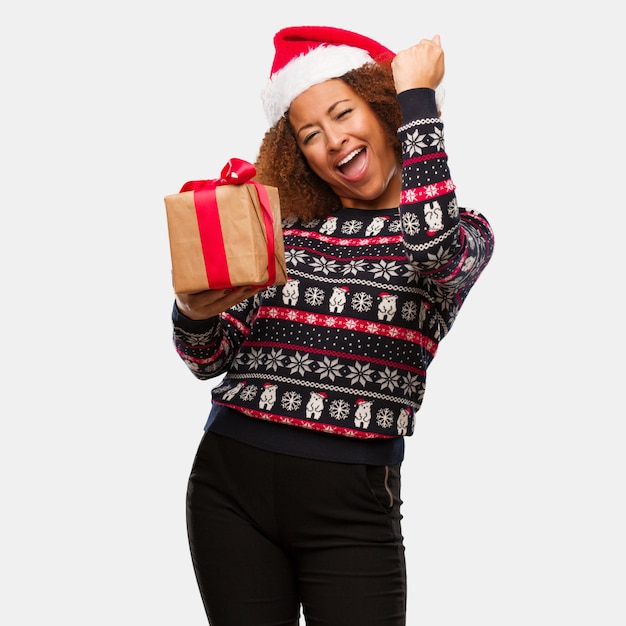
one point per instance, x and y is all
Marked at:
(206, 304)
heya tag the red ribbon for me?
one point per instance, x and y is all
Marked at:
(235, 172)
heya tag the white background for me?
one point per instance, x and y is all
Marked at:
(514, 481)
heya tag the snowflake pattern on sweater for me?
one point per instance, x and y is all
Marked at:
(343, 347)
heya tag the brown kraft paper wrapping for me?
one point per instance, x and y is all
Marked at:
(245, 242)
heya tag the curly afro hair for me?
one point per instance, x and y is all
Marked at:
(281, 164)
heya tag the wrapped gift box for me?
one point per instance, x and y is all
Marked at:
(225, 232)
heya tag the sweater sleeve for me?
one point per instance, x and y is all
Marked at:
(208, 347)
(447, 244)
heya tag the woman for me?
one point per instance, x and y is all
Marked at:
(294, 495)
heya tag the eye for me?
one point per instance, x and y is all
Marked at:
(309, 137)
(344, 113)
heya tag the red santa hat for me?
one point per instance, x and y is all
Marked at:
(308, 55)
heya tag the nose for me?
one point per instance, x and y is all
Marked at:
(335, 138)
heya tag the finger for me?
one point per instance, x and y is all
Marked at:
(233, 295)
(238, 294)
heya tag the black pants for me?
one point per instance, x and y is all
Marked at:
(270, 532)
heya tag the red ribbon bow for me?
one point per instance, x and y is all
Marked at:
(235, 172)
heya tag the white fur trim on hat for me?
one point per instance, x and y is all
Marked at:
(304, 71)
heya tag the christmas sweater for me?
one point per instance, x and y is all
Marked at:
(343, 347)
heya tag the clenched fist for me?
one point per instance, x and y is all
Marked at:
(421, 65)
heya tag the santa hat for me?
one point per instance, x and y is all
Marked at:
(308, 55)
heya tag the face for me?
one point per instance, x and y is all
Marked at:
(345, 144)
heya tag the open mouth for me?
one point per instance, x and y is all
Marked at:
(352, 163)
